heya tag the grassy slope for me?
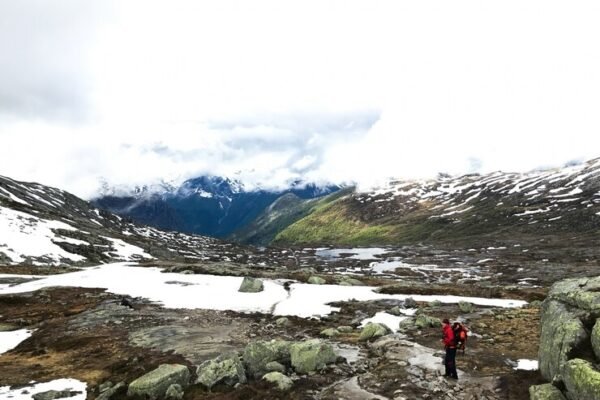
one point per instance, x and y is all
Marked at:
(341, 223)
(284, 212)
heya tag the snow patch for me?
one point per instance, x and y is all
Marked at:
(27, 392)
(389, 320)
(10, 340)
(221, 292)
(23, 235)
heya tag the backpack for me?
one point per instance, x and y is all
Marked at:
(460, 336)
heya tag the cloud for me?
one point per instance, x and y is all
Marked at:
(269, 91)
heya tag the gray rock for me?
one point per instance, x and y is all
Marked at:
(596, 338)
(54, 394)
(108, 393)
(409, 302)
(315, 280)
(227, 369)
(345, 329)
(373, 331)
(395, 311)
(174, 392)
(274, 366)
(561, 332)
(282, 382)
(311, 355)
(104, 386)
(258, 354)
(155, 383)
(251, 285)
(545, 392)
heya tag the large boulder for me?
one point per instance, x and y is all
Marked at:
(582, 293)
(581, 379)
(258, 354)
(282, 382)
(155, 384)
(373, 331)
(226, 368)
(561, 333)
(251, 285)
(545, 392)
(311, 355)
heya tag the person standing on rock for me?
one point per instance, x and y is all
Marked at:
(450, 345)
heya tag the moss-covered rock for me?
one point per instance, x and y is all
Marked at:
(425, 321)
(582, 380)
(346, 281)
(283, 321)
(345, 329)
(155, 384)
(561, 332)
(274, 366)
(545, 392)
(330, 332)
(174, 392)
(583, 293)
(258, 354)
(465, 307)
(311, 355)
(373, 331)
(281, 381)
(316, 280)
(251, 285)
(226, 368)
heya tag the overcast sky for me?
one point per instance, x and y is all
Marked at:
(269, 91)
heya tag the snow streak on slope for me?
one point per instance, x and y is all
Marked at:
(538, 196)
(24, 235)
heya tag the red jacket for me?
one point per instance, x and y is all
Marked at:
(448, 337)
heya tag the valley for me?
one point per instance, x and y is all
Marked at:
(345, 302)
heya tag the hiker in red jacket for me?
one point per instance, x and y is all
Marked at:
(450, 345)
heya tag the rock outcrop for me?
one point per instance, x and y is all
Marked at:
(570, 341)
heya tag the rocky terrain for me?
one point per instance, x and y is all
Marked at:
(110, 309)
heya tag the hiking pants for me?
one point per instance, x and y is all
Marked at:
(451, 362)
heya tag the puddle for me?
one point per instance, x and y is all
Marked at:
(368, 253)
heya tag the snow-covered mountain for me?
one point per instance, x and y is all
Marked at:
(555, 204)
(209, 205)
(41, 225)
